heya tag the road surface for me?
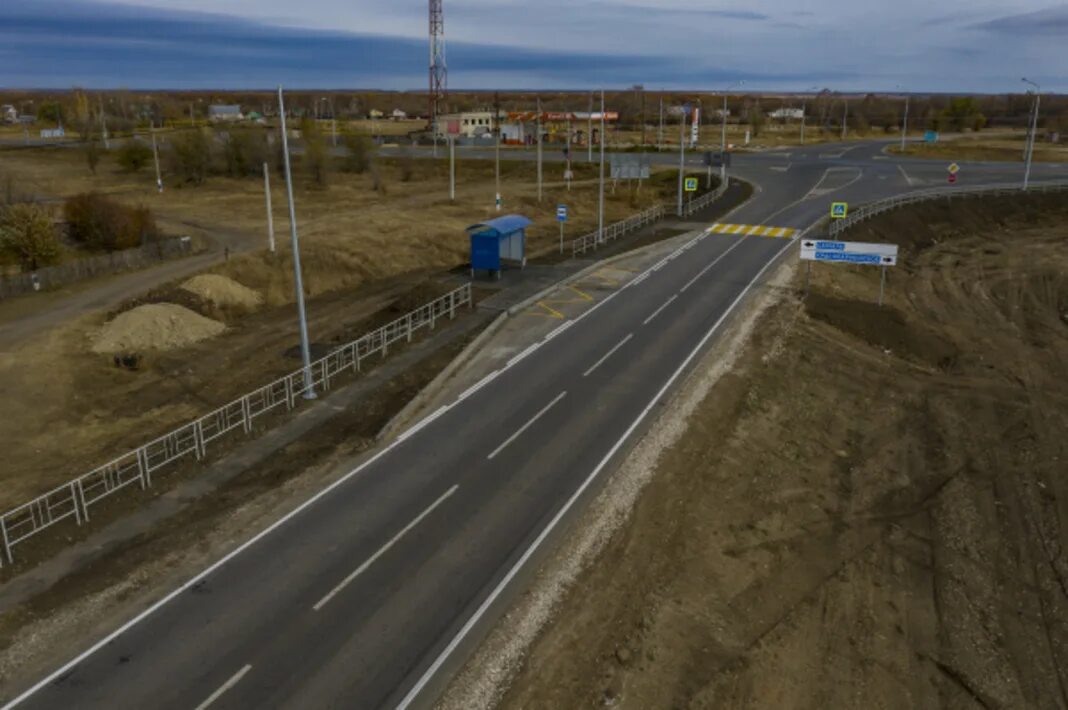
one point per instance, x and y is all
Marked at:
(368, 594)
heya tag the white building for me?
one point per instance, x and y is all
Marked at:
(398, 115)
(222, 113)
(792, 114)
(8, 114)
(469, 124)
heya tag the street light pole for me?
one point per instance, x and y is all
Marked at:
(497, 148)
(589, 132)
(537, 127)
(600, 197)
(845, 115)
(305, 350)
(682, 153)
(660, 130)
(1034, 128)
(723, 135)
(905, 123)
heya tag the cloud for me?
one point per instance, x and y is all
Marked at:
(1052, 22)
(670, 44)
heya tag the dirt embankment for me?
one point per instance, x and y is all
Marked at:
(871, 511)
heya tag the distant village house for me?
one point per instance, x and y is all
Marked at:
(221, 113)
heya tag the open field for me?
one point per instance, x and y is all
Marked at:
(983, 146)
(361, 251)
(868, 510)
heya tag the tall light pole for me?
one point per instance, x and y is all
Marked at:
(600, 197)
(683, 110)
(845, 115)
(589, 132)
(305, 350)
(723, 135)
(804, 103)
(497, 148)
(660, 130)
(537, 127)
(1034, 128)
(905, 122)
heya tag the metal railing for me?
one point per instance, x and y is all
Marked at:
(613, 231)
(75, 498)
(871, 209)
(695, 205)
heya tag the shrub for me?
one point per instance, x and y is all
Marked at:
(244, 153)
(190, 158)
(133, 155)
(358, 154)
(101, 223)
(28, 235)
(315, 158)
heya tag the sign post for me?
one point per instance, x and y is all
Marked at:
(561, 217)
(690, 187)
(873, 254)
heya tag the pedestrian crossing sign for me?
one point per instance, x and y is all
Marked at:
(839, 210)
(691, 184)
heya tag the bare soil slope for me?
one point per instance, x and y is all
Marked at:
(871, 512)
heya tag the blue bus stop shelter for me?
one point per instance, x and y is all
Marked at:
(496, 240)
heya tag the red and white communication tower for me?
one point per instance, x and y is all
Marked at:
(438, 73)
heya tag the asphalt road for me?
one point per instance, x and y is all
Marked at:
(357, 599)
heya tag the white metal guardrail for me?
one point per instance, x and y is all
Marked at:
(688, 208)
(613, 231)
(871, 209)
(75, 498)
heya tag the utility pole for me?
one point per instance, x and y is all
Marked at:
(682, 150)
(305, 350)
(155, 155)
(270, 213)
(589, 132)
(845, 116)
(600, 198)
(723, 136)
(497, 147)
(905, 124)
(660, 130)
(103, 122)
(537, 127)
(1034, 129)
(452, 168)
(643, 117)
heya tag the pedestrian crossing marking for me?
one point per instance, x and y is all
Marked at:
(757, 230)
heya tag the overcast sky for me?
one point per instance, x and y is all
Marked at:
(921, 45)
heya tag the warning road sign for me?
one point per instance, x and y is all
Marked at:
(690, 184)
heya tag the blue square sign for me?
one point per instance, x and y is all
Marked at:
(561, 213)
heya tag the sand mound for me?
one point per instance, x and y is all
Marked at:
(222, 291)
(154, 326)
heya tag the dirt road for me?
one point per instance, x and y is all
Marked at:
(869, 512)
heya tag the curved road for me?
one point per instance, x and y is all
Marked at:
(370, 593)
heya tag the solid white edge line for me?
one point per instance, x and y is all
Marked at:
(662, 307)
(424, 422)
(65, 668)
(384, 549)
(712, 263)
(526, 426)
(547, 530)
(234, 680)
(608, 354)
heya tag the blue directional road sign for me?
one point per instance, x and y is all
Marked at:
(561, 213)
(849, 252)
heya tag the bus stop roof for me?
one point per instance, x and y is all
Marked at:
(501, 226)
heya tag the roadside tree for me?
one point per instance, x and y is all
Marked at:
(133, 155)
(191, 156)
(28, 235)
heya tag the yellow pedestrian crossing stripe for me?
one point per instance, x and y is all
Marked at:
(758, 230)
